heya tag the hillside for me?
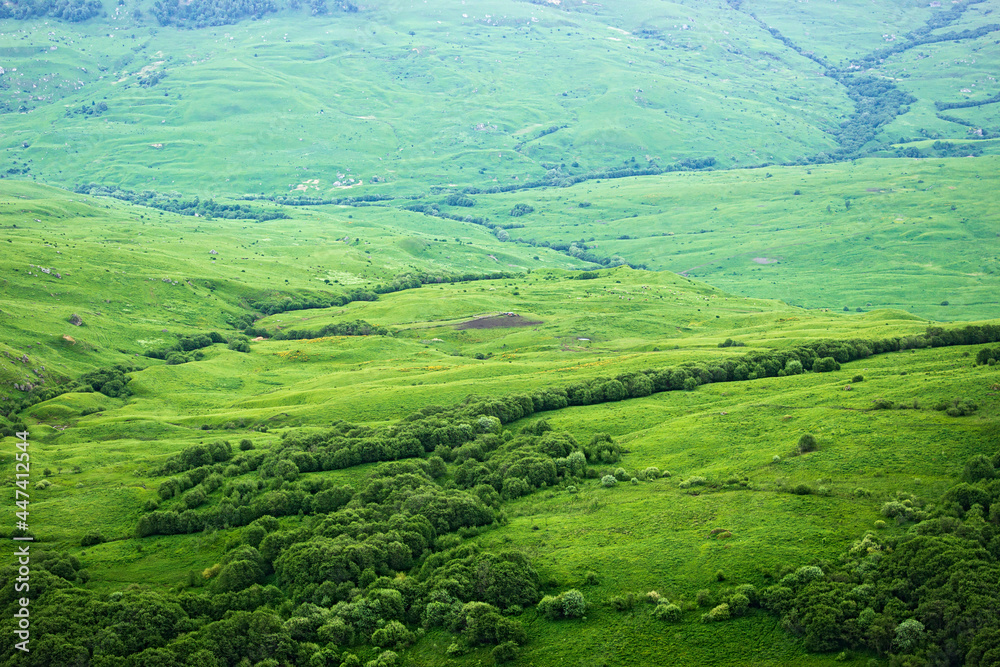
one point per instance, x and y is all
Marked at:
(397, 97)
(530, 332)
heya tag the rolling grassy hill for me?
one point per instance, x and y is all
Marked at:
(397, 97)
(101, 456)
(551, 333)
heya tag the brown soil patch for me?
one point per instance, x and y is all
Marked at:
(497, 322)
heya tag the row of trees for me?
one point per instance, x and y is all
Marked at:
(205, 208)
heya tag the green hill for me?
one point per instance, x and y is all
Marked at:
(509, 332)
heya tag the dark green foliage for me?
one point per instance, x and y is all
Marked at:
(807, 443)
(460, 200)
(67, 10)
(202, 13)
(521, 209)
(92, 538)
(568, 604)
(826, 365)
(112, 381)
(927, 597)
(239, 343)
(206, 208)
(355, 328)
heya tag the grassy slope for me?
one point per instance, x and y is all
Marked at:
(373, 100)
(639, 538)
(747, 231)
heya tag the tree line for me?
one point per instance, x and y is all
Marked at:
(205, 208)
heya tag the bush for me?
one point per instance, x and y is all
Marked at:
(652, 472)
(570, 604)
(608, 481)
(720, 613)
(92, 538)
(573, 603)
(826, 365)
(703, 598)
(239, 343)
(858, 378)
(738, 604)
(621, 475)
(505, 652)
(692, 481)
(623, 602)
(802, 489)
(246, 444)
(807, 443)
(670, 613)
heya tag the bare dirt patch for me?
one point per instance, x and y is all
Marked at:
(765, 260)
(498, 321)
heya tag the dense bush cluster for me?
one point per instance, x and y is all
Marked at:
(67, 10)
(928, 596)
(206, 208)
(202, 13)
(176, 353)
(338, 584)
(354, 328)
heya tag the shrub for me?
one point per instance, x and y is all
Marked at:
(621, 475)
(807, 443)
(720, 613)
(652, 472)
(91, 538)
(573, 603)
(505, 652)
(858, 378)
(591, 578)
(608, 481)
(623, 602)
(880, 525)
(692, 481)
(239, 343)
(802, 489)
(826, 365)
(749, 591)
(246, 444)
(703, 598)
(738, 604)
(670, 613)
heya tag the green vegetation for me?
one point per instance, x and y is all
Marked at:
(525, 333)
